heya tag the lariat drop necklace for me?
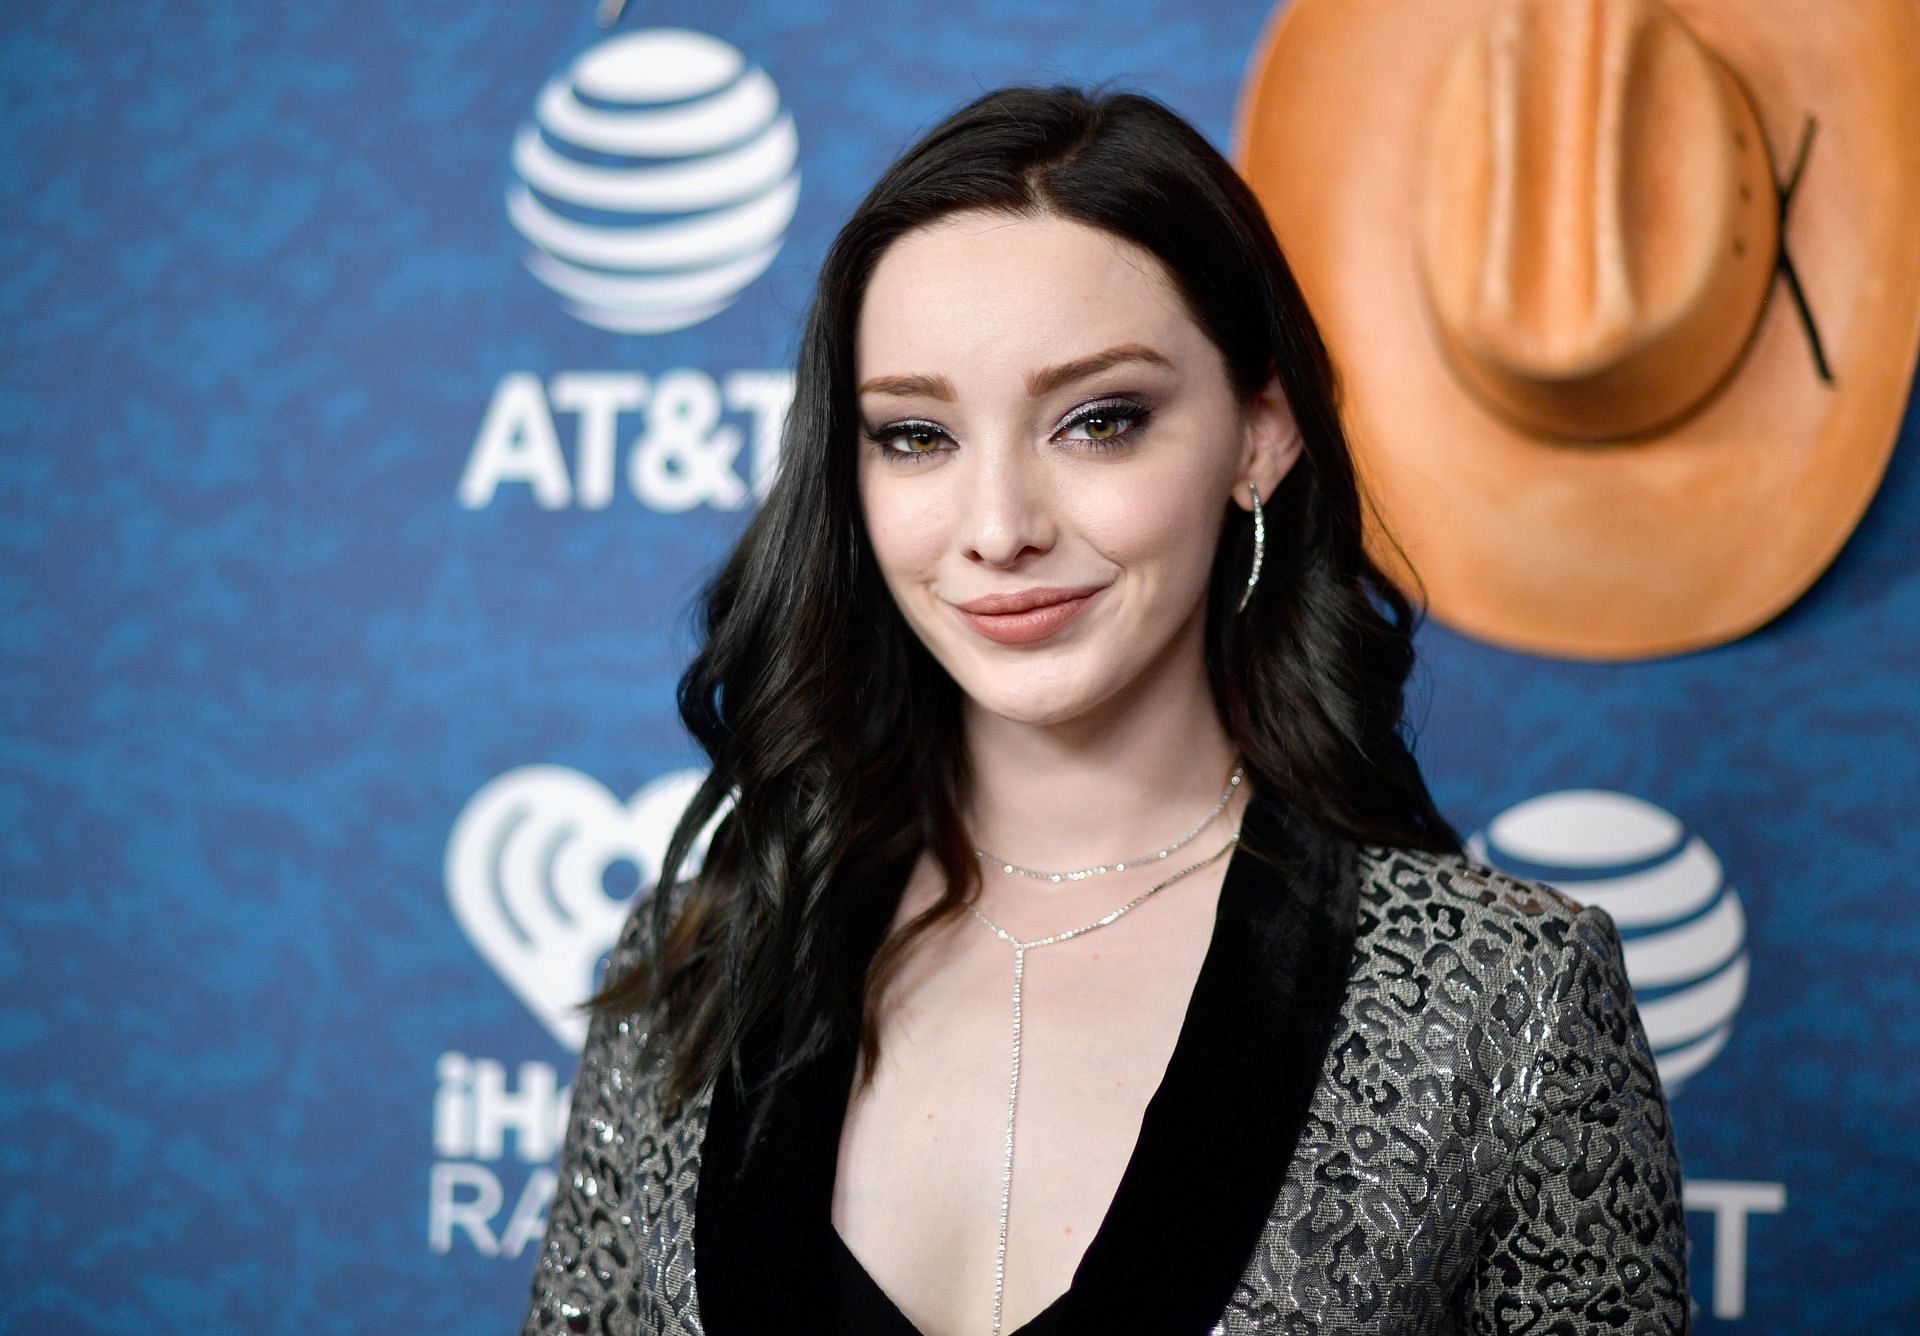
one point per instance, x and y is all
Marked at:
(1020, 949)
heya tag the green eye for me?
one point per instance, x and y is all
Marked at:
(1116, 421)
(921, 440)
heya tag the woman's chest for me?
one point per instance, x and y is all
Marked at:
(1327, 1139)
(920, 1178)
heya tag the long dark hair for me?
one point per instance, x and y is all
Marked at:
(834, 732)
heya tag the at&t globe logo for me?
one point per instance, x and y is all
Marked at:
(657, 182)
(1681, 924)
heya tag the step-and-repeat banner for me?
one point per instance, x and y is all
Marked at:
(379, 383)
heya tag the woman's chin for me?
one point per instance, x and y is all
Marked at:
(1037, 704)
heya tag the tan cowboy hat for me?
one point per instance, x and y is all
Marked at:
(1604, 412)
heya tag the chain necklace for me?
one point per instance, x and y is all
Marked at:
(1020, 950)
(1101, 869)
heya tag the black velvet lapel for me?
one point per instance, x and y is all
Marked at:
(1214, 1144)
(1220, 1131)
(762, 1221)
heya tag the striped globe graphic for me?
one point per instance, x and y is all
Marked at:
(656, 181)
(1681, 924)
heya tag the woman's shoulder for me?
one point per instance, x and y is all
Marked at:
(1456, 889)
(634, 941)
(625, 1032)
(1455, 917)
(619, 1165)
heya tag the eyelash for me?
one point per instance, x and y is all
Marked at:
(1123, 410)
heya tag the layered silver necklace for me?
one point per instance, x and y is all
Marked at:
(1101, 869)
(1020, 949)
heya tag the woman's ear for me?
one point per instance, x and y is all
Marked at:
(1271, 443)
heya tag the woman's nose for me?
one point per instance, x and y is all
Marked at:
(1007, 507)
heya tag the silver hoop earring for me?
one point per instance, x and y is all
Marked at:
(1259, 547)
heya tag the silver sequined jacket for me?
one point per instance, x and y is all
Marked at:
(1412, 1095)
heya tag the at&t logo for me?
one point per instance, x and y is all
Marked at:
(1681, 924)
(1683, 933)
(657, 181)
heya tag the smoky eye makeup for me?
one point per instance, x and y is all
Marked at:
(1129, 412)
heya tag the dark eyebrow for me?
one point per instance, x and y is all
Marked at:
(1044, 381)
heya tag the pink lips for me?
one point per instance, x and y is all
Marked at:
(1027, 616)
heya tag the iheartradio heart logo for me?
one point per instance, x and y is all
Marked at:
(527, 871)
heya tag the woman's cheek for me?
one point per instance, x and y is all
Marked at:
(909, 536)
(1163, 524)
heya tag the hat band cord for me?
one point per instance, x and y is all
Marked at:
(1784, 263)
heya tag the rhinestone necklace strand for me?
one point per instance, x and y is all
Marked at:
(1020, 950)
(1101, 869)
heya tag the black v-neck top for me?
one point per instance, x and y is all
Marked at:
(1208, 1164)
(865, 1310)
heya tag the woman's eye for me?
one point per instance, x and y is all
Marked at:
(1111, 422)
(1104, 425)
(907, 441)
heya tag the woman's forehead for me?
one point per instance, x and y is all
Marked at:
(1000, 297)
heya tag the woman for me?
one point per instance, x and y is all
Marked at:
(1059, 708)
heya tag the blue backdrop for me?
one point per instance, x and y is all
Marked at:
(348, 535)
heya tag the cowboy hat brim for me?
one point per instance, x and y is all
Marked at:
(1624, 549)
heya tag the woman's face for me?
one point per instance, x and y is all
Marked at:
(1052, 427)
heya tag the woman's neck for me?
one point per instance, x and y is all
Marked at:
(1119, 782)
